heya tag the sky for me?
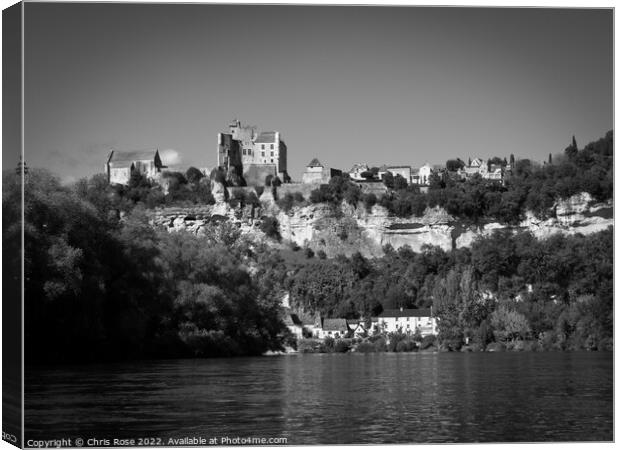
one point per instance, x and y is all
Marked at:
(375, 85)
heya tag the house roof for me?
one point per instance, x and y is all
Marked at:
(425, 312)
(308, 322)
(134, 155)
(266, 137)
(335, 325)
(315, 163)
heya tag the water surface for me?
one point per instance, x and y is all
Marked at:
(332, 398)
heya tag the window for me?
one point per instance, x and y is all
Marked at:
(271, 146)
(271, 153)
(262, 147)
(262, 154)
(244, 151)
(271, 159)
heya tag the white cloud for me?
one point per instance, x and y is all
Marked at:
(169, 157)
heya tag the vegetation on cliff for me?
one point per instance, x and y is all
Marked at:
(100, 288)
(506, 287)
(528, 187)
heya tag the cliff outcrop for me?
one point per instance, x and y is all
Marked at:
(348, 229)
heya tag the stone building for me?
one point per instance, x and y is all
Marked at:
(403, 171)
(254, 155)
(357, 170)
(408, 321)
(422, 175)
(120, 165)
(317, 173)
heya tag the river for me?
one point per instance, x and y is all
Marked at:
(331, 398)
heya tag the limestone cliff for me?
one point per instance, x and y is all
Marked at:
(348, 229)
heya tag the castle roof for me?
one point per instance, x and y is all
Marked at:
(266, 137)
(134, 155)
(315, 163)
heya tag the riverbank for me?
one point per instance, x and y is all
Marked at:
(429, 344)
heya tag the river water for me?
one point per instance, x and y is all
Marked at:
(331, 398)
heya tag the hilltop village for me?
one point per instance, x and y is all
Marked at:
(249, 157)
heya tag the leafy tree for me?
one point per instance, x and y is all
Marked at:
(400, 182)
(509, 324)
(388, 180)
(193, 175)
(367, 175)
(454, 165)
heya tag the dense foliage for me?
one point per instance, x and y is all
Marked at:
(506, 287)
(101, 288)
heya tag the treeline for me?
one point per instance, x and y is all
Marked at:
(181, 189)
(557, 292)
(528, 186)
(99, 288)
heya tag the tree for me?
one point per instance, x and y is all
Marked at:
(435, 181)
(571, 151)
(509, 324)
(388, 180)
(193, 175)
(454, 165)
(367, 175)
(400, 182)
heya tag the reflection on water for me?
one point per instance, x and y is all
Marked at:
(332, 399)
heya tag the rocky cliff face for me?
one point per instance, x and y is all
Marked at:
(320, 227)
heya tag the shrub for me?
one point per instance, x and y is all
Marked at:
(321, 254)
(369, 201)
(406, 345)
(309, 252)
(328, 345)
(428, 341)
(380, 344)
(366, 347)
(270, 227)
(342, 346)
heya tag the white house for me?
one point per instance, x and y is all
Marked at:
(422, 175)
(357, 170)
(408, 321)
(335, 328)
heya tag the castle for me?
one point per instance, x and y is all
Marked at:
(255, 156)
